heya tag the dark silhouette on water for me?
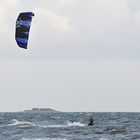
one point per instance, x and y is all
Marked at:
(91, 121)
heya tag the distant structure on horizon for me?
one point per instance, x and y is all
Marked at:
(41, 110)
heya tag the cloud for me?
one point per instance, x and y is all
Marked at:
(136, 17)
(6, 8)
(134, 6)
(59, 22)
(56, 21)
(63, 3)
(63, 31)
(10, 3)
(107, 28)
(2, 12)
(3, 27)
(8, 16)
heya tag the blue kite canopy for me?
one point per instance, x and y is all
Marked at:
(23, 24)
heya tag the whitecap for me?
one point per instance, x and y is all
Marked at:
(52, 126)
(76, 124)
(69, 124)
(43, 139)
(104, 139)
(19, 123)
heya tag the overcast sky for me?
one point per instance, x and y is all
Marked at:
(83, 55)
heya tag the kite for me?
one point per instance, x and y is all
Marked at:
(23, 24)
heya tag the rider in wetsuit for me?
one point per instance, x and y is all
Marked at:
(91, 121)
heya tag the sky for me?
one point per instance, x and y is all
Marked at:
(81, 56)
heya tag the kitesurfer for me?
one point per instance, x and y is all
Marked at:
(91, 121)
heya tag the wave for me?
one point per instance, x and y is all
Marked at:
(104, 139)
(69, 124)
(76, 124)
(21, 123)
(135, 136)
(43, 139)
(52, 126)
(116, 129)
(24, 124)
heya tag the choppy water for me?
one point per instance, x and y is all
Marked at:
(69, 126)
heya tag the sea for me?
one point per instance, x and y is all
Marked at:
(69, 126)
